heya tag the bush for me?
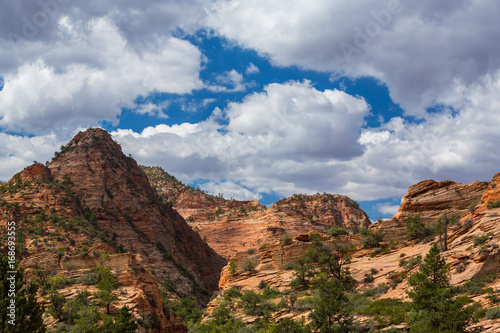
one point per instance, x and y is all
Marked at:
(468, 224)
(262, 284)
(493, 313)
(480, 240)
(337, 231)
(475, 285)
(232, 292)
(263, 246)
(90, 279)
(372, 238)
(416, 230)
(248, 266)
(388, 311)
(473, 205)
(286, 240)
(232, 267)
(493, 204)
(368, 278)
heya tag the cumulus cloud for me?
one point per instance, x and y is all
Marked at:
(230, 190)
(289, 138)
(17, 152)
(54, 93)
(421, 50)
(387, 209)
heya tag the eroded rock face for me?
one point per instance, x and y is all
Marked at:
(231, 226)
(107, 183)
(137, 289)
(432, 200)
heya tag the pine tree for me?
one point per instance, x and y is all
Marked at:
(434, 309)
(123, 322)
(28, 312)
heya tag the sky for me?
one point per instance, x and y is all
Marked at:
(258, 99)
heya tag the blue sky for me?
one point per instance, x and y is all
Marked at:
(257, 99)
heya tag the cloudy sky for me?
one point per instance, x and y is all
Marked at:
(261, 99)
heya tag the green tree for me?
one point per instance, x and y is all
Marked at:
(329, 313)
(304, 270)
(56, 304)
(28, 312)
(371, 238)
(442, 228)
(433, 308)
(123, 322)
(416, 229)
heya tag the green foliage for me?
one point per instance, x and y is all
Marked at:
(493, 204)
(248, 266)
(472, 206)
(255, 305)
(388, 311)
(263, 246)
(123, 322)
(232, 267)
(330, 308)
(337, 231)
(232, 292)
(480, 240)
(371, 238)
(303, 272)
(286, 240)
(493, 313)
(433, 308)
(475, 285)
(416, 230)
(90, 279)
(186, 309)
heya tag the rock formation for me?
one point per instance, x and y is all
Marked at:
(432, 200)
(231, 226)
(91, 196)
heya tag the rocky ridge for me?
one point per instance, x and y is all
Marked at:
(91, 195)
(232, 226)
(473, 250)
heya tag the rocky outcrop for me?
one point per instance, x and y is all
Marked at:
(231, 226)
(137, 287)
(432, 200)
(90, 195)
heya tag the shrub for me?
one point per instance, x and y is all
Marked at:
(337, 231)
(493, 313)
(286, 240)
(90, 279)
(262, 284)
(475, 285)
(388, 311)
(232, 292)
(493, 204)
(473, 205)
(248, 266)
(232, 267)
(480, 240)
(263, 246)
(372, 238)
(251, 251)
(368, 278)
(416, 230)
(412, 262)
(468, 224)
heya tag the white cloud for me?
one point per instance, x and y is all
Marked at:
(290, 138)
(17, 152)
(230, 81)
(421, 50)
(83, 79)
(387, 209)
(230, 190)
(252, 69)
(152, 109)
